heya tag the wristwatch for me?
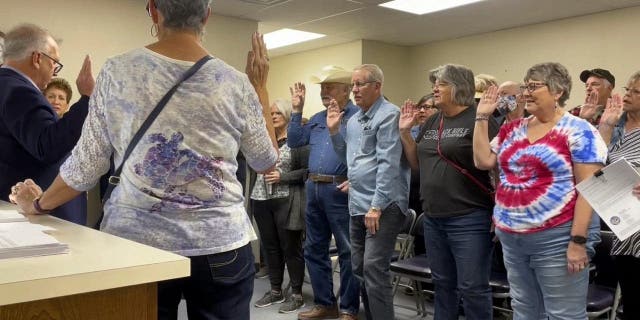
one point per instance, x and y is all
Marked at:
(578, 239)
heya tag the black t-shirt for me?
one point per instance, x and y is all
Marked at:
(445, 192)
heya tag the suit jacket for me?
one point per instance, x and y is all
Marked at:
(34, 141)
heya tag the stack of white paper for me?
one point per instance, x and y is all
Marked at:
(25, 239)
(11, 216)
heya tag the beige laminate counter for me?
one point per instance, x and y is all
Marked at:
(97, 262)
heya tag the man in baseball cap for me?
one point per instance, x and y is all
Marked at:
(327, 209)
(599, 84)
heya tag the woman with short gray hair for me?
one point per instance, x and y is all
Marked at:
(178, 189)
(455, 195)
(546, 229)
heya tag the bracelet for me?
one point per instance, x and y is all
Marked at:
(479, 118)
(36, 205)
(482, 114)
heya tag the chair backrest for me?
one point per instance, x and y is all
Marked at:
(605, 267)
(418, 228)
(409, 222)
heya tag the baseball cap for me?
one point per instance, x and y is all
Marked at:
(600, 73)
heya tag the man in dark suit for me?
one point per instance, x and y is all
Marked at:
(33, 140)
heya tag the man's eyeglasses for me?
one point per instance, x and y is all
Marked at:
(632, 91)
(58, 65)
(360, 84)
(532, 86)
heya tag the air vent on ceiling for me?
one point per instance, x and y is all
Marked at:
(265, 2)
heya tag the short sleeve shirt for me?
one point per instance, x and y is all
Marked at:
(537, 182)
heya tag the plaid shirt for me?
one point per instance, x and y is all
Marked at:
(595, 121)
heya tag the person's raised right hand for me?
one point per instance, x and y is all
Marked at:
(334, 116)
(257, 67)
(489, 101)
(298, 92)
(408, 117)
(612, 112)
(590, 107)
(85, 81)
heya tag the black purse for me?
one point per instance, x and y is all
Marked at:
(114, 179)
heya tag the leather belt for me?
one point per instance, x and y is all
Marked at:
(326, 178)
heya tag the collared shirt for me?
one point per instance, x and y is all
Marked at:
(22, 75)
(378, 173)
(415, 131)
(322, 157)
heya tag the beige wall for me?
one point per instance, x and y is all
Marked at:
(285, 70)
(606, 40)
(107, 28)
(393, 60)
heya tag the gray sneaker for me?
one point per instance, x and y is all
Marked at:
(262, 273)
(270, 298)
(293, 303)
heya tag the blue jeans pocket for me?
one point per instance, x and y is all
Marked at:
(232, 265)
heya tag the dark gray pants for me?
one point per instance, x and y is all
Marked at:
(371, 257)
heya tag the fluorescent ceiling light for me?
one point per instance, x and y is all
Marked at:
(285, 37)
(425, 6)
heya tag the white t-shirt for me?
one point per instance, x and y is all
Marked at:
(178, 189)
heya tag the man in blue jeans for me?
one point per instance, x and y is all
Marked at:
(327, 212)
(379, 185)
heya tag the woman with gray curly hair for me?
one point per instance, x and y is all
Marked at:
(455, 195)
(545, 227)
(178, 190)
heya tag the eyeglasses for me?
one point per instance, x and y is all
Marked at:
(58, 65)
(532, 86)
(440, 85)
(632, 91)
(425, 107)
(360, 84)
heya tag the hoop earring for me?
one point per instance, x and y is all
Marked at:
(154, 30)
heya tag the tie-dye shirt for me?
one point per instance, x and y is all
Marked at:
(537, 183)
(178, 189)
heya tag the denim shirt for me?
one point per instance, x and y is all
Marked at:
(322, 158)
(618, 131)
(378, 172)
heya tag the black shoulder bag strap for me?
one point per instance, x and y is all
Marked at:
(114, 179)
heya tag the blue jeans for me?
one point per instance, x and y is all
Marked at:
(459, 251)
(219, 288)
(327, 213)
(541, 285)
(371, 257)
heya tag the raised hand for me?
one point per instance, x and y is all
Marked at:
(257, 67)
(298, 92)
(489, 101)
(85, 81)
(590, 107)
(408, 117)
(334, 116)
(612, 112)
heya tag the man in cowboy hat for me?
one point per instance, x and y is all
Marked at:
(599, 84)
(327, 201)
